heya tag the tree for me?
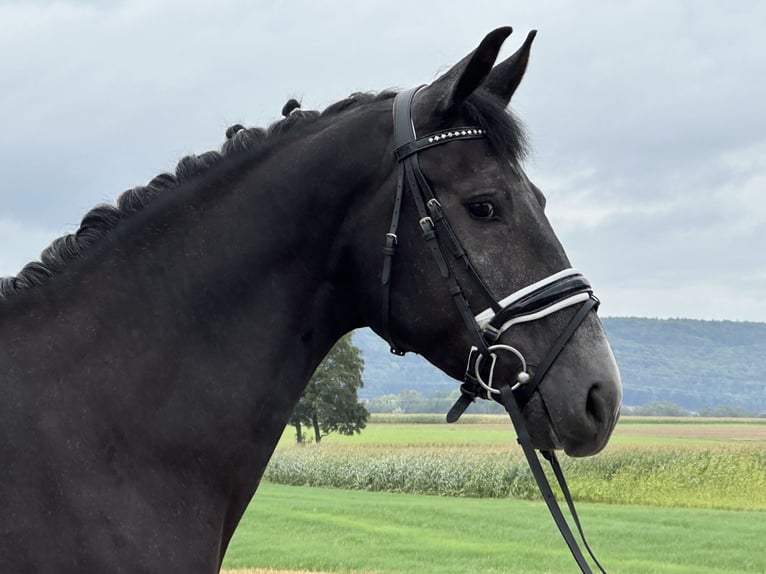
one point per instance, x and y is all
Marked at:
(724, 411)
(330, 403)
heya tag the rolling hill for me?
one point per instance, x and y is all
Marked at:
(688, 362)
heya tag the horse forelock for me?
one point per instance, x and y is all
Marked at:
(505, 132)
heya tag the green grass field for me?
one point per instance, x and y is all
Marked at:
(686, 495)
(331, 530)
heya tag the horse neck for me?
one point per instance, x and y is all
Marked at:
(194, 330)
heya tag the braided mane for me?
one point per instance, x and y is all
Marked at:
(505, 133)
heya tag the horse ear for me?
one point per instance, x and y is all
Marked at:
(504, 78)
(450, 90)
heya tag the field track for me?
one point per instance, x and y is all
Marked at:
(718, 432)
(473, 430)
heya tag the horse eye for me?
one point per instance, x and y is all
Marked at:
(482, 210)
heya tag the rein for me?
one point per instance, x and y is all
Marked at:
(549, 295)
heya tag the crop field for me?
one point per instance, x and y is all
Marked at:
(416, 495)
(692, 463)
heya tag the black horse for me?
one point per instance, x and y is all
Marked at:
(150, 361)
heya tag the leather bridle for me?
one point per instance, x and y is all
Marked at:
(549, 295)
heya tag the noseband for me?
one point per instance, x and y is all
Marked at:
(545, 297)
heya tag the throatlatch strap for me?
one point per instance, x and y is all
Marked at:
(509, 402)
(389, 249)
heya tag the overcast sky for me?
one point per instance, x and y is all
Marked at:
(648, 119)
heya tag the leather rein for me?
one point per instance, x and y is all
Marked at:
(547, 296)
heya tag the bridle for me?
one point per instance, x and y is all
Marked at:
(545, 297)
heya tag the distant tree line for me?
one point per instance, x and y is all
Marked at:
(669, 409)
(411, 401)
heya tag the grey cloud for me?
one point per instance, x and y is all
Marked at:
(647, 118)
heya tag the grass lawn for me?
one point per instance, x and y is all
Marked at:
(316, 529)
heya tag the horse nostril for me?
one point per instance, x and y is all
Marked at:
(595, 405)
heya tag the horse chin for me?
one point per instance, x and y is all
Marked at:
(541, 429)
(577, 449)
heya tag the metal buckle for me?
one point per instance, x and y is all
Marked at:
(393, 237)
(427, 221)
(521, 378)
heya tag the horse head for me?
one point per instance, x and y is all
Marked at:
(473, 273)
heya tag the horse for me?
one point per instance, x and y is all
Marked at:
(150, 360)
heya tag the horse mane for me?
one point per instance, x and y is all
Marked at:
(505, 132)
